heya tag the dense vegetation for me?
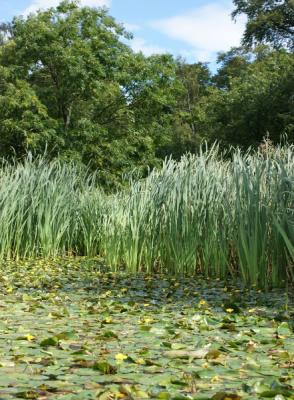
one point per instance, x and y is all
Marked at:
(121, 196)
(69, 84)
(71, 330)
(223, 218)
(72, 89)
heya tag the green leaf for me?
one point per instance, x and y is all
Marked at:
(50, 341)
(104, 367)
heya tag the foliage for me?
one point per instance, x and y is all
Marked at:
(70, 329)
(252, 101)
(186, 135)
(269, 21)
(71, 86)
(204, 214)
(24, 122)
(210, 215)
(233, 64)
(73, 63)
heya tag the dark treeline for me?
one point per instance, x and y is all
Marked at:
(70, 86)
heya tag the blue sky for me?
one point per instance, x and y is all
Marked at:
(193, 29)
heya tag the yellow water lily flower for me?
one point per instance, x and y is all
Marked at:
(120, 357)
(147, 320)
(29, 337)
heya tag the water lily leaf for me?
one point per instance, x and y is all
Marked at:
(94, 340)
(213, 354)
(51, 341)
(83, 363)
(276, 392)
(284, 329)
(225, 396)
(108, 335)
(178, 346)
(104, 367)
(67, 335)
(30, 394)
(163, 396)
(194, 354)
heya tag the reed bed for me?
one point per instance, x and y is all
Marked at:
(223, 217)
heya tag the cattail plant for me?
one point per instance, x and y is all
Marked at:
(210, 214)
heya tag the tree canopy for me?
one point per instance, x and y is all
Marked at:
(269, 21)
(78, 74)
(71, 86)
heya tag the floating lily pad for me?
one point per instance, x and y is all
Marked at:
(71, 329)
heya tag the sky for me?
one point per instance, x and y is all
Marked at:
(193, 29)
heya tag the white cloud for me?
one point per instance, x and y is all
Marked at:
(43, 4)
(206, 30)
(131, 27)
(140, 44)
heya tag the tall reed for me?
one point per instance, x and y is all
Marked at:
(210, 214)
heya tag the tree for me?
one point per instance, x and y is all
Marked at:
(5, 32)
(68, 55)
(70, 84)
(256, 103)
(183, 129)
(104, 99)
(24, 122)
(195, 79)
(269, 22)
(233, 64)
